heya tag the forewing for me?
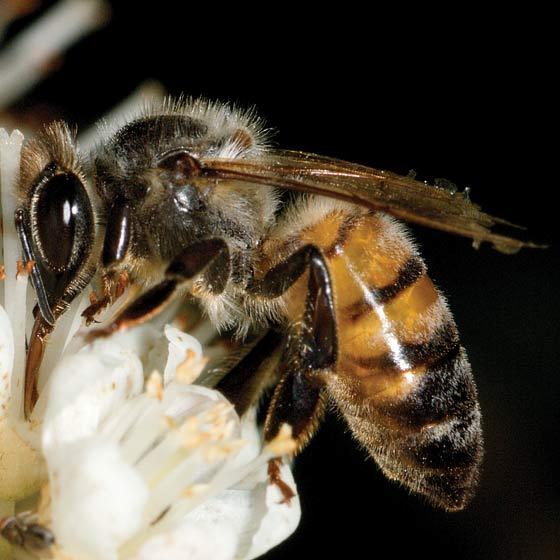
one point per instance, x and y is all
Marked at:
(403, 197)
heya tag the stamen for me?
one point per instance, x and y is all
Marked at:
(154, 385)
(226, 477)
(25, 61)
(190, 368)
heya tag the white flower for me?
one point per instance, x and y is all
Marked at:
(131, 463)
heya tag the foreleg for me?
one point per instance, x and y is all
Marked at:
(209, 256)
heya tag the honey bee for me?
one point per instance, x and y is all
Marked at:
(303, 254)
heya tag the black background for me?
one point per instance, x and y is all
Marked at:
(468, 99)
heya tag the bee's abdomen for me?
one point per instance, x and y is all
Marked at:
(402, 380)
(430, 440)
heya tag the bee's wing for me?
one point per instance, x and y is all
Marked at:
(403, 197)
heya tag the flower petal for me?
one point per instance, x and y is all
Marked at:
(280, 520)
(255, 507)
(203, 541)
(97, 500)
(179, 344)
(85, 388)
(159, 351)
(252, 511)
(256, 516)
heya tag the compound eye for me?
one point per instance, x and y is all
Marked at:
(178, 166)
(63, 218)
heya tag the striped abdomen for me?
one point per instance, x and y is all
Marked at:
(402, 381)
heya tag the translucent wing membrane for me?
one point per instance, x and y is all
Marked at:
(403, 197)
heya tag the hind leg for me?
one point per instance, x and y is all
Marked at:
(310, 354)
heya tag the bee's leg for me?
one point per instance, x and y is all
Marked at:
(113, 286)
(310, 354)
(246, 381)
(209, 256)
(316, 336)
(140, 310)
(99, 303)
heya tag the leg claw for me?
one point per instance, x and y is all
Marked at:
(276, 478)
(94, 309)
